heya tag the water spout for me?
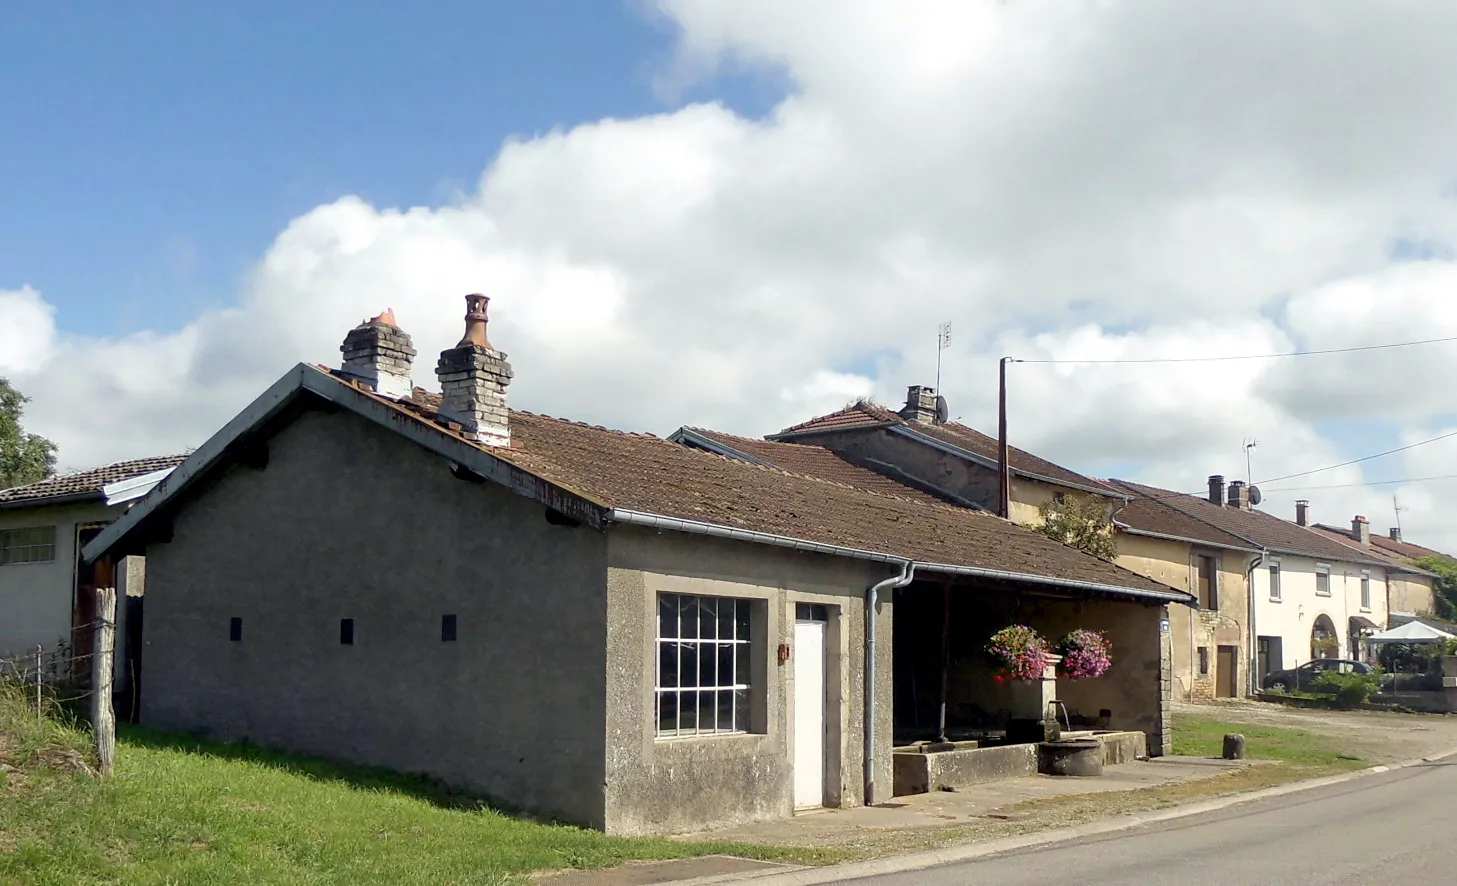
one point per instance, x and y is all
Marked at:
(1067, 721)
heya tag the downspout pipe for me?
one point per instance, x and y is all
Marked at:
(872, 603)
(1253, 666)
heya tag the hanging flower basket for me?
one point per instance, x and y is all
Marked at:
(1085, 655)
(1020, 653)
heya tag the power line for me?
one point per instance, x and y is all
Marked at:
(1404, 344)
(1355, 461)
(1372, 483)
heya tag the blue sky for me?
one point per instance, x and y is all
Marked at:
(150, 151)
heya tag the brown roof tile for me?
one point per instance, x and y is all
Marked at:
(82, 483)
(1344, 537)
(816, 461)
(1255, 526)
(1404, 548)
(868, 415)
(1147, 513)
(644, 473)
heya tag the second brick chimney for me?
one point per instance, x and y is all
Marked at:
(1396, 533)
(1361, 529)
(1239, 495)
(473, 379)
(379, 353)
(1216, 489)
(1302, 513)
(920, 404)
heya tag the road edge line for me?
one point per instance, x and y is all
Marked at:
(897, 864)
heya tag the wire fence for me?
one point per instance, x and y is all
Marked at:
(59, 675)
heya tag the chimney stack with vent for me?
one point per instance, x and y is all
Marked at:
(1396, 533)
(379, 353)
(920, 404)
(1302, 513)
(473, 379)
(1361, 529)
(1216, 489)
(1239, 495)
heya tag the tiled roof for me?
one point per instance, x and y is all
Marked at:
(815, 461)
(867, 415)
(82, 483)
(641, 472)
(1404, 548)
(1342, 535)
(1146, 513)
(1255, 526)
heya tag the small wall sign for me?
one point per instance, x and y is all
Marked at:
(1163, 625)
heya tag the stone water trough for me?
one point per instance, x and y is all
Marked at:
(928, 766)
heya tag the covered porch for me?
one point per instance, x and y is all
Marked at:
(949, 691)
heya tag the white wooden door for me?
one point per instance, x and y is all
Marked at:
(809, 713)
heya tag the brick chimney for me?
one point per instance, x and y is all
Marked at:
(1216, 489)
(379, 353)
(1239, 495)
(1396, 533)
(920, 404)
(1361, 529)
(1302, 513)
(473, 379)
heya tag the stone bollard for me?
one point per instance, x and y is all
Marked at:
(1234, 746)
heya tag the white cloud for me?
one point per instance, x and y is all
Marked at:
(1058, 179)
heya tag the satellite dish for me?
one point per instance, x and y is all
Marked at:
(942, 412)
(1255, 496)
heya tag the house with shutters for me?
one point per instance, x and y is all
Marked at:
(1411, 590)
(618, 630)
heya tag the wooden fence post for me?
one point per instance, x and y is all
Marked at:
(103, 718)
(39, 708)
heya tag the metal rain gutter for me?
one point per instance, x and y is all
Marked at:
(696, 527)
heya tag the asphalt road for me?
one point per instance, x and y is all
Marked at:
(1390, 828)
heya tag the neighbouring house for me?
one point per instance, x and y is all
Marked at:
(1212, 643)
(1314, 596)
(941, 627)
(47, 592)
(618, 630)
(919, 448)
(922, 448)
(1411, 590)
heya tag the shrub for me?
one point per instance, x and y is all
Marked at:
(1347, 690)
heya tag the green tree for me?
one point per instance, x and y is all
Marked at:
(1445, 568)
(24, 458)
(1081, 521)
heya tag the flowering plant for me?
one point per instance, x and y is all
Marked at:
(1085, 654)
(1021, 652)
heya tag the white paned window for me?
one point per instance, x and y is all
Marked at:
(32, 545)
(1275, 582)
(703, 665)
(1366, 590)
(1323, 579)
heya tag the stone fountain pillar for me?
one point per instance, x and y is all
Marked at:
(1034, 718)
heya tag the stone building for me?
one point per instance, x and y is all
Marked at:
(615, 629)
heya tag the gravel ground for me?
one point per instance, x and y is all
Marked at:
(1375, 737)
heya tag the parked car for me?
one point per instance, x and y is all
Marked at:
(1306, 674)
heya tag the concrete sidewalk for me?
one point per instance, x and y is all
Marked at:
(907, 823)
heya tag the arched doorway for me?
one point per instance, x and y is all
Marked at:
(1324, 641)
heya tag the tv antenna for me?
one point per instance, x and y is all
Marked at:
(1250, 445)
(1396, 505)
(943, 341)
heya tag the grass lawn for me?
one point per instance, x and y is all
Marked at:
(185, 812)
(1204, 737)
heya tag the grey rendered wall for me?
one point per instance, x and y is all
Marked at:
(684, 784)
(956, 475)
(350, 521)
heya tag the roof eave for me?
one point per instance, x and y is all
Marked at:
(48, 501)
(1192, 541)
(304, 379)
(698, 527)
(689, 437)
(790, 434)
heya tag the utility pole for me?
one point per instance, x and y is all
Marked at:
(1004, 499)
(943, 341)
